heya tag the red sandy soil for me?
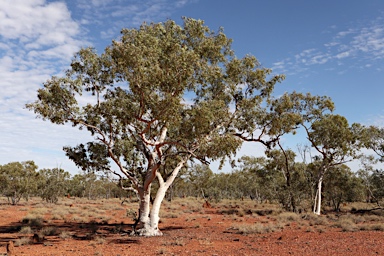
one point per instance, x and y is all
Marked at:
(207, 232)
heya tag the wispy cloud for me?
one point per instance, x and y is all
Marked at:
(37, 40)
(364, 44)
(117, 14)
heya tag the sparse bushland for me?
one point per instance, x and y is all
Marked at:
(137, 113)
(98, 228)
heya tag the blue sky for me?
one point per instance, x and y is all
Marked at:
(333, 48)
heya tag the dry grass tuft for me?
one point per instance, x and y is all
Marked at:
(288, 217)
(65, 235)
(373, 227)
(48, 231)
(98, 240)
(33, 220)
(315, 220)
(346, 224)
(177, 242)
(256, 228)
(26, 230)
(22, 241)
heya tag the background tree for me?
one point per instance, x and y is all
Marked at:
(77, 185)
(200, 179)
(342, 185)
(265, 182)
(373, 138)
(161, 93)
(336, 142)
(18, 179)
(377, 181)
(53, 183)
(292, 190)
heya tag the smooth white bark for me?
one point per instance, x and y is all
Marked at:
(149, 219)
(318, 204)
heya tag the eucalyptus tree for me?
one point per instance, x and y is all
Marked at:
(283, 162)
(265, 182)
(18, 180)
(53, 183)
(342, 186)
(162, 93)
(336, 142)
(330, 135)
(372, 178)
(265, 125)
(373, 139)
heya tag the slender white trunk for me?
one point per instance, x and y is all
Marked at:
(155, 212)
(320, 183)
(315, 200)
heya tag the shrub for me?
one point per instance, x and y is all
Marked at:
(373, 227)
(22, 241)
(256, 228)
(288, 216)
(315, 220)
(65, 235)
(48, 231)
(34, 221)
(26, 230)
(346, 224)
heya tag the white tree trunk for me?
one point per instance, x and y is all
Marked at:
(315, 200)
(145, 201)
(155, 212)
(149, 219)
(318, 205)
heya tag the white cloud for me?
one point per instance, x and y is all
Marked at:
(36, 20)
(342, 55)
(363, 44)
(37, 40)
(113, 15)
(345, 33)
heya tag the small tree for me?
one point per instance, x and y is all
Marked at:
(162, 95)
(336, 142)
(329, 135)
(373, 138)
(342, 186)
(53, 183)
(293, 189)
(265, 182)
(18, 180)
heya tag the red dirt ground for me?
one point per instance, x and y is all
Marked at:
(206, 232)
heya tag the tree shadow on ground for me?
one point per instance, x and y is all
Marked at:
(118, 232)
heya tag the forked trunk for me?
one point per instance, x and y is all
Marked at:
(149, 217)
